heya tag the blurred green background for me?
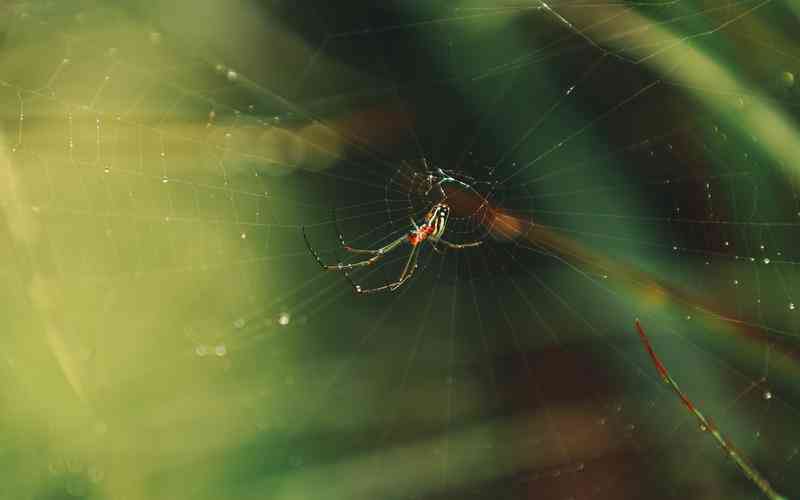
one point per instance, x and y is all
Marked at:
(166, 333)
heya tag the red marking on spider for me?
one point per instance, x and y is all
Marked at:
(420, 235)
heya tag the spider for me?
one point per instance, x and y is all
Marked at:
(431, 230)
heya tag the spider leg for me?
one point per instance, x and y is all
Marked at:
(311, 249)
(360, 250)
(344, 244)
(459, 246)
(379, 253)
(405, 275)
(376, 255)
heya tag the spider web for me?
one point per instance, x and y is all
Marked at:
(169, 335)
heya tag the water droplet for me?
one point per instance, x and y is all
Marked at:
(727, 243)
(232, 75)
(787, 78)
(201, 350)
(735, 282)
(220, 350)
(239, 323)
(165, 179)
(284, 318)
(703, 428)
(244, 236)
(767, 395)
(766, 260)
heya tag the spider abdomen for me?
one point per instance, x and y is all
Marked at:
(420, 235)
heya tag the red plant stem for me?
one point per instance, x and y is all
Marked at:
(706, 424)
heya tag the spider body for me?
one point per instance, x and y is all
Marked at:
(433, 227)
(431, 230)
